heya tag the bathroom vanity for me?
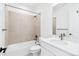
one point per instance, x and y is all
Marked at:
(51, 47)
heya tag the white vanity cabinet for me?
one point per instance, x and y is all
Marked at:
(49, 50)
(45, 52)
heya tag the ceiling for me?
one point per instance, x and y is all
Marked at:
(31, 5)
(34, 5)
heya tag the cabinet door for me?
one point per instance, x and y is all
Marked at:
(45, 52)
(59, 52)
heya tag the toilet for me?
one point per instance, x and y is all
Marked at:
(35, 50)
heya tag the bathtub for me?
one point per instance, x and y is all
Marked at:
(19, 49)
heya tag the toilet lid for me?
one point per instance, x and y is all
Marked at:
(36, 47)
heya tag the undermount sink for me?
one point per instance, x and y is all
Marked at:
(64, 42)
(66, 45)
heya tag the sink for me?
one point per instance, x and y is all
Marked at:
(65, 45)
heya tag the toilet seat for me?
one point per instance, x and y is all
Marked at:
(35, 49)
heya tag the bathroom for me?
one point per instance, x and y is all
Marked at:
(39, 29)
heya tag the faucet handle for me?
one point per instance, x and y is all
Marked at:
(60, 35)
(64, 34)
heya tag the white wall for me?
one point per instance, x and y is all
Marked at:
(46, 21)
(2, 24)
(74, 21)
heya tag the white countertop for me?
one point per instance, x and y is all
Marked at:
(65, 45)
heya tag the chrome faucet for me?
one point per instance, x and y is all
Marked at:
(62, 35)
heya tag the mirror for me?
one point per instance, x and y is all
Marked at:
(66, 20)
(60, 19)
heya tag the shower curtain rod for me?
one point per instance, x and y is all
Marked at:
(22, 9)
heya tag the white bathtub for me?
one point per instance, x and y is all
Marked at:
(19, 49)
